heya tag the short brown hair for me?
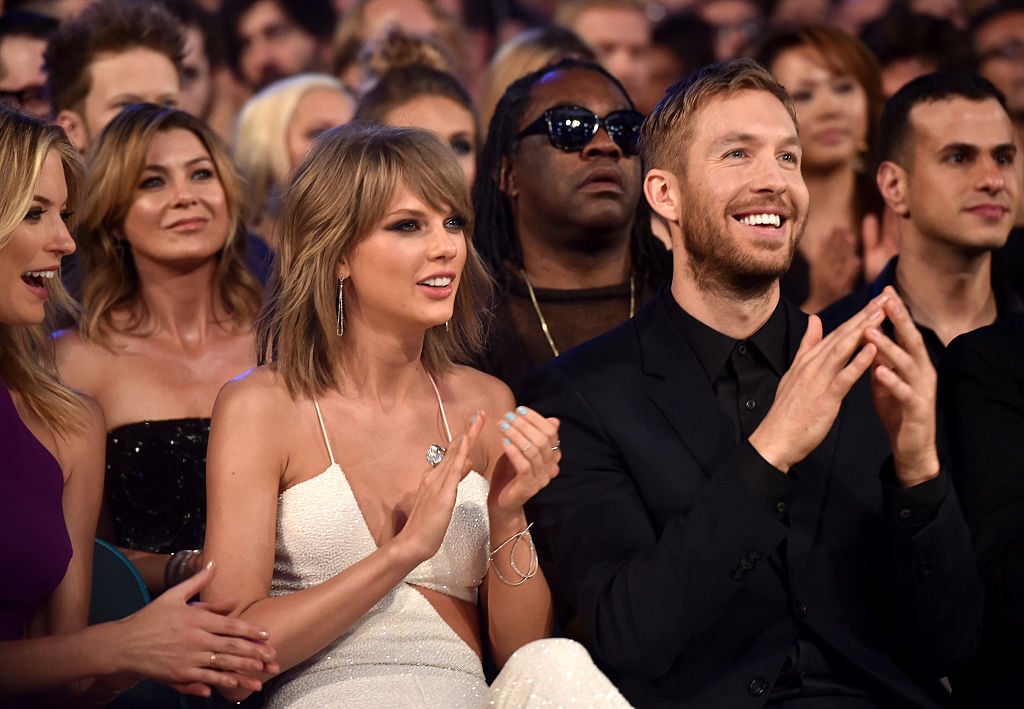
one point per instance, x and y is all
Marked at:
(337, 196)
(115, 163)
(668, 130)
(106, 26)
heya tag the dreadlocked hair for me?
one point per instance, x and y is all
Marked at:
(494, 233)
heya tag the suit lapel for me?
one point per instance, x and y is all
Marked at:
(679, 387)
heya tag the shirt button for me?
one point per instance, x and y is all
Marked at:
(905, 514)
(799, 609)
(750, 404)
(758, 687)
(780, 507)
(741, 348)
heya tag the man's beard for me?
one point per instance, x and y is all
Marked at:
(717, 265)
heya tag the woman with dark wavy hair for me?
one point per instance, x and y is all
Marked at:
(51, 467)
(168, 310)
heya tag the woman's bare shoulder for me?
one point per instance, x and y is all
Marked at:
(481, 390)
(258, 393)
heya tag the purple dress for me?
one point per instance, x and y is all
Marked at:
(36, 547)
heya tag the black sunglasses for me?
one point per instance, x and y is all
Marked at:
(571, 128)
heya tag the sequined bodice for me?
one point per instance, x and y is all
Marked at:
(321, 532)
(156, 483)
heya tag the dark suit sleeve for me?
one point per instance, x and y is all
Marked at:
(646, 589)
(982, 397)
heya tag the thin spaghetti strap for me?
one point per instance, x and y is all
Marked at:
(323, 429)
(440, 404)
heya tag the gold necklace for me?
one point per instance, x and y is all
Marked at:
(544, 323)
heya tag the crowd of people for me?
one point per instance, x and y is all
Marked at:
(514, 353)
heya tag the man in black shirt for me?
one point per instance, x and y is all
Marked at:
(950, 173)
(741, 517)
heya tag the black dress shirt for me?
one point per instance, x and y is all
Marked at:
(745, 375)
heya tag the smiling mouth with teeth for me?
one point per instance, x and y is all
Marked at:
(773, 220)
(437, 282)
(37, 278)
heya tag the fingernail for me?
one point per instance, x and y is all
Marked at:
(264, 635)
(510, 416)
(504, 425)
(506, 441)
(521, 410)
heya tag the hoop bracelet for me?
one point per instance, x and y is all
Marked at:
(514, 540)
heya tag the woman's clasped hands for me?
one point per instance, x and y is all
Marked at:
(195, 646)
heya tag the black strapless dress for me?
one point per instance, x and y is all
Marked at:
(156, 484)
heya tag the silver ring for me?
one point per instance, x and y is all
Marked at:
(526, 447)
(558, 444)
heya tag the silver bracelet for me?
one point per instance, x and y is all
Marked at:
(177, 563)
(514, 540)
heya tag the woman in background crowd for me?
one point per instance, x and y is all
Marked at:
(411, 92)
(272, 134)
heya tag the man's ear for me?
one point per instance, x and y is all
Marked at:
(507, 180)
(892, 185)
(661, 188)
(74, 126)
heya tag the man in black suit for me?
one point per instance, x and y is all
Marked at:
(950, 172)
(729, 526)
(981, 394)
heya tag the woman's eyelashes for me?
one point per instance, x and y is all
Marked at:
(462, 145)
(456, 222)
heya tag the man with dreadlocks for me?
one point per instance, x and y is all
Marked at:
(557, 216)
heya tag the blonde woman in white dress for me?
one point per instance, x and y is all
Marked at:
(365, 492)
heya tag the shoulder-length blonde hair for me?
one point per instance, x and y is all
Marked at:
(115, 165)
(260, 142)
(26, 352)
(338, 195)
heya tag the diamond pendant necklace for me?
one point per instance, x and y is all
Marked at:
(544, 323)
(435, 451)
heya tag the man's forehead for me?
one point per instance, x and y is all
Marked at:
(577, 86)
(727, 118)
(961, 120)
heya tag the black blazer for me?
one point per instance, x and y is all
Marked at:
(981, 387)
(691, 590)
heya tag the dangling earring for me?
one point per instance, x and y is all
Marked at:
(446, 328)
(341, 307)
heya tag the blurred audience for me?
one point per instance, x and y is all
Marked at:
(23, 38)
(909, 45)
(274, 130)
(619, 32)
(267, 40)
(113, 54)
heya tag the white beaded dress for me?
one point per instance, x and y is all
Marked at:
(401, 653)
